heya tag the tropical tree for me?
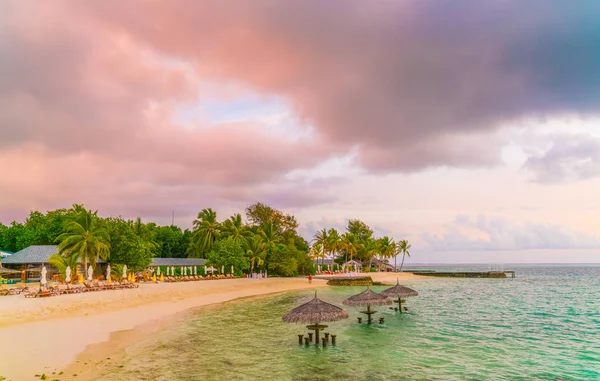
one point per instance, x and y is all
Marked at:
(61, 263)
(316, 252)
(256, 251)
(351, 245)
(84, 238)
(387, 247)
(403, 248)
(226, 253)
(370, 250)
(321, 242)
(234, 228)
(206, 231)
(269, 234)
(333, 242)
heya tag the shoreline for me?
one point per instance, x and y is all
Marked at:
(53, 334)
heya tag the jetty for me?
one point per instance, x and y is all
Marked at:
(467, 274)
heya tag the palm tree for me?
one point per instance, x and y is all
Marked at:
(316, 252)
(403, 247)
(206, 231)
(256, 250)
(371, 249)
(351, 245)
(269, 234)
(386, 247)
(234, 227)
(61, 263)
(321, 241)
(83, 238)
(333, 242)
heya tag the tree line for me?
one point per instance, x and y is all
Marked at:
(268, 241)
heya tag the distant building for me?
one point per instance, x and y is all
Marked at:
(33, 256)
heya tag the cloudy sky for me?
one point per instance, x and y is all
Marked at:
(471, 128)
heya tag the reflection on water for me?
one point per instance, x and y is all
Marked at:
(545, 324)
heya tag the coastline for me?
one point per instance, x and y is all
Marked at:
(53, 334)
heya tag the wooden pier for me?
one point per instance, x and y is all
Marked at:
(468, 274)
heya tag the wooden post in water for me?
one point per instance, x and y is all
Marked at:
(310, 336)
(306, 341)
(300, 337)
(333, 339)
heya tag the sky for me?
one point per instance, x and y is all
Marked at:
(470, 128)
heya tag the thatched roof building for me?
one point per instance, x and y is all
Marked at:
(315, 311)
(367, 298)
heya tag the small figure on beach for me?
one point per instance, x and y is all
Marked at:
(309, 279)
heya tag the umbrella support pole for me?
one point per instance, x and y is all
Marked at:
(317, 328)
(368, 312)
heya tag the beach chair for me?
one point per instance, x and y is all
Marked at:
(88, 286)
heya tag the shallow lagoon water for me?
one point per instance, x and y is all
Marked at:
(544, 324)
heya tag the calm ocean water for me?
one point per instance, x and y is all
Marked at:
(542, 325)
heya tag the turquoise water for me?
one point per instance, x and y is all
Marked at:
(542, 325)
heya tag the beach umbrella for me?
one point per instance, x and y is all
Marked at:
(231, 269)
(43, 276)
(124, 275)
(367, 298)
(222, 269)
(90, 272)
(205, 270)
(172, 270)
(195, 271)
(158, 271)
(265, 273)
(167, 270)
(399, 292)
(315, 312)
(108, 273)
(68, 274)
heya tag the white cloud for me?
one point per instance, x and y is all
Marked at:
(484, 233)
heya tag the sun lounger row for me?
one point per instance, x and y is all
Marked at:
(194, 278)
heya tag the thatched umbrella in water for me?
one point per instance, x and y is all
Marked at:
(314, 312)
(368, 298)
(399, 292)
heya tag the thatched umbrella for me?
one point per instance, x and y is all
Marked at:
(399, 292)
(368, 298)
(315, 312)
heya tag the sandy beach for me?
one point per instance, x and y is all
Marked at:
(52, 334)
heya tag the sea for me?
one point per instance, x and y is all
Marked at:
(542, 325)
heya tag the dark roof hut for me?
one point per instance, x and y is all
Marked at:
(399, 292)
(367, 298)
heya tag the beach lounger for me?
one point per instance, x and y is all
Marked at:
(40, 294)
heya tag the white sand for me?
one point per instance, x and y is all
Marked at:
(45, 335)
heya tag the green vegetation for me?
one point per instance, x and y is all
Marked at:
(357, 243)
(354, 281)
(268, 241)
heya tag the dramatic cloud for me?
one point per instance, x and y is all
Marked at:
(411, 83)
(485, 233)
(566, 158)
(92, 93)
